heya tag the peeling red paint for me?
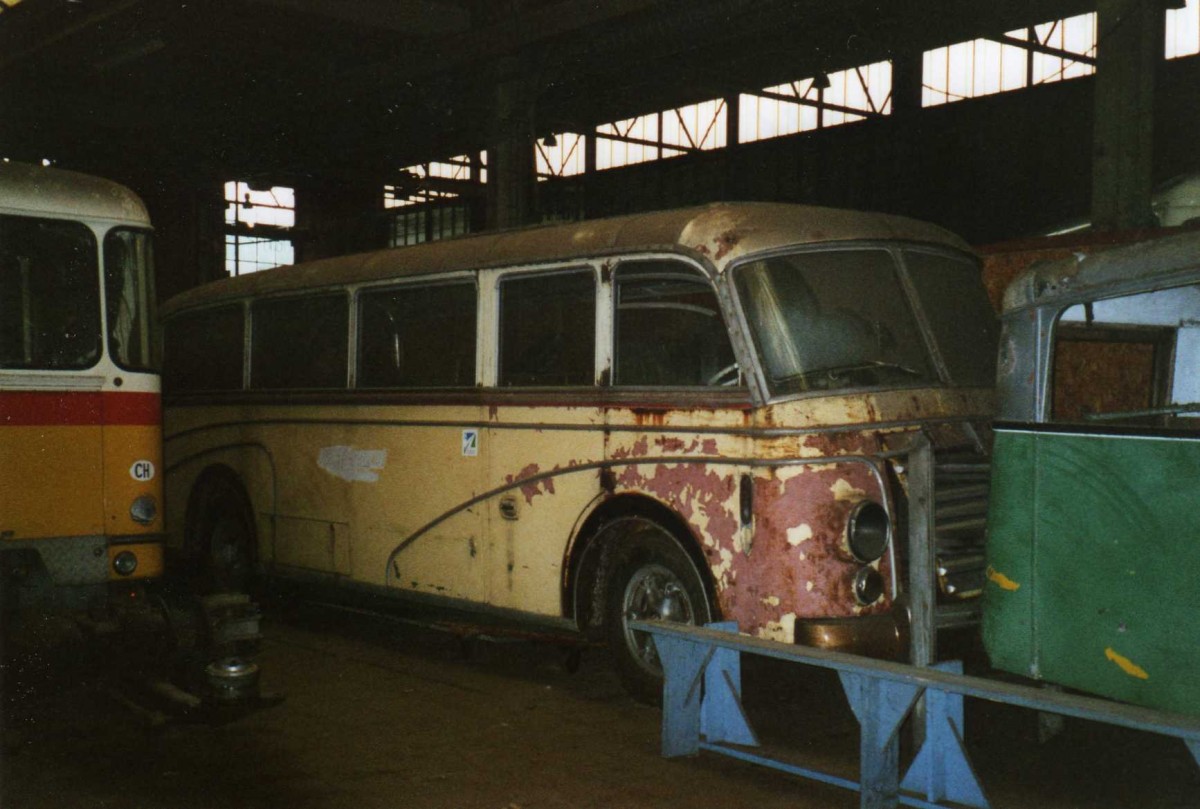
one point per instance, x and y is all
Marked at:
(677, 446)
(534, 488)
(691, 490)
(761, 594)
(843, 443)
(637, 450)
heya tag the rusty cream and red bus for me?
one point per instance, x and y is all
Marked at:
(681, 415)
(80, 434)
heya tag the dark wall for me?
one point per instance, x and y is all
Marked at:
(991, 168)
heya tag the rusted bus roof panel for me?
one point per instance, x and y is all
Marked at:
(1139, 267)
(717, 234)
(45, 191)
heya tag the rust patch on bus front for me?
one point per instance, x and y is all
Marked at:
(726, 242)
(706, 499)
(800, 519)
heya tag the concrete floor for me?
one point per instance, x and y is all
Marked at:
(385, 714)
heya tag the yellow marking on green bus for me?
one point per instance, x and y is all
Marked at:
(1002, 581)
(1126, 665)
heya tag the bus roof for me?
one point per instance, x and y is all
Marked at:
(56, 193)
(717, 234)
(1141, 267)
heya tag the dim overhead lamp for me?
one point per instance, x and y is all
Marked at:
(550, 141)
(821, 81)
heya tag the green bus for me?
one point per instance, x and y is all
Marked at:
(1093, 530)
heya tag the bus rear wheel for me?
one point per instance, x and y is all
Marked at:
(225, 555)
(655, 580)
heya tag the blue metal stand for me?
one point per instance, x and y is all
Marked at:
(941, 771)
(702, 710)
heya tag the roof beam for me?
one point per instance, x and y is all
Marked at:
(418, 18)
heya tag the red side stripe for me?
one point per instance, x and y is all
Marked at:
(43, 408)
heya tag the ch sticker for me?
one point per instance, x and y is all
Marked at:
(142, 471)
(470, 443)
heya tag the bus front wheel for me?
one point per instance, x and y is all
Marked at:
(655, 580)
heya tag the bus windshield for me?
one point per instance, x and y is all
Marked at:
(49, 301)
(833, 319)
(129, 298)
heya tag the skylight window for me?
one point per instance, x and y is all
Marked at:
(561, 154)
(669, 133)
(1040, 54)
(813, 103)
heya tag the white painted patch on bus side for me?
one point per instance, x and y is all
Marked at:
(355, 465)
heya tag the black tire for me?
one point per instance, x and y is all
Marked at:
(654, 579)
(225, 541)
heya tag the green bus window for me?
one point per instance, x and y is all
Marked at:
(417, 337)
(547, 330)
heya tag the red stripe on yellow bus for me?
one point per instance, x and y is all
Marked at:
(60, 408)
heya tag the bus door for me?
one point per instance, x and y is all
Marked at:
(415, 516)
(545, 420)
(1093, 531)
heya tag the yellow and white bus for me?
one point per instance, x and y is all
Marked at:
(80, 415)
(681, 415)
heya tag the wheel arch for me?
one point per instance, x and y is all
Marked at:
(590, 560)
(215, 481)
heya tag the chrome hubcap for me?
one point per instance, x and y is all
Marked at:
(653, 593)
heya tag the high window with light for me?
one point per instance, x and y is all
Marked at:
(1183, 30)
(258, 227)
(428, 199)
(814, 103)
(1039, 54)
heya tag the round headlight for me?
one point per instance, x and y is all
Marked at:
(868, 531)
(868, 586)
(144, 509)
(125, 563)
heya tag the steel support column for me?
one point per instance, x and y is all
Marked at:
(1129, 53)
(512, 171)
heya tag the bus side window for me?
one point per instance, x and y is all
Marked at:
(417, 337)
(668, 328)
(202, 351)
(547, 329)
(299, 343)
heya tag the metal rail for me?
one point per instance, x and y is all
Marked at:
(702, 711)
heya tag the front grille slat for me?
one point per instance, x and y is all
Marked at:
(961, 489)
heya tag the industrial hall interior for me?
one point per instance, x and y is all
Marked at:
(507, 404)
